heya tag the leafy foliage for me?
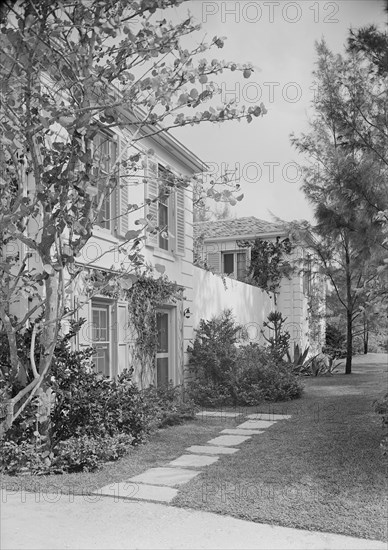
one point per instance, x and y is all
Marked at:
(279, 339)
(75, 76)
(145, 295)
(93, 419)
(245, 375)
(381, 407)
(345, 179)
(214, 352)
(335, 341)
(268, 264)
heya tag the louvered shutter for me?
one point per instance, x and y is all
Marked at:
(84, 311)
(214, 261)
(122, 192)
(180, 222)
(151, 193)
(122, 336)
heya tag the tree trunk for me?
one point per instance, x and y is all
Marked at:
(349, 343)
(366, 335)
(349, 311)
(48, 342)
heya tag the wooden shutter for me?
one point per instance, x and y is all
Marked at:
(122, 338)
(151, 194)
(214, 261)
(180, 221)
(122, 192)
(84, 311)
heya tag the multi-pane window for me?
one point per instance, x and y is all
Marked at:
(163, 348)
(234, 264)
(165, 209)
(105, 173)
(100, 336)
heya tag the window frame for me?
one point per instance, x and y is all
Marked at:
(236, 274)
(100, 178)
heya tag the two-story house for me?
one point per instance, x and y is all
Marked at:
(300, 296)
(107, 326)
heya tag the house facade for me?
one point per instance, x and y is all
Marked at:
(168, 247)
(300, 298)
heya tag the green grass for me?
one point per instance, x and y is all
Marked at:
(321, 470)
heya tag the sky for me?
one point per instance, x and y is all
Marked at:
(278, 38)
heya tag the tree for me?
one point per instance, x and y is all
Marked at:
(346, 179)
(70, 72)
(268, 263)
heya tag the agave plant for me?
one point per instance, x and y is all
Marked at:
(299, 363)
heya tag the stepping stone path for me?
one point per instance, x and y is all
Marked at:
(160, 484)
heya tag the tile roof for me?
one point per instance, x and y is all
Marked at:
(249, 226)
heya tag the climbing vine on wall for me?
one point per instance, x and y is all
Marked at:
(268, 263)
(144, 297)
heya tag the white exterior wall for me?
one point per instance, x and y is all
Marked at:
(101, 252)
(250, 305)
(291, 300)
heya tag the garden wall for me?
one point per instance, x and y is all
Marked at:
(250, 306)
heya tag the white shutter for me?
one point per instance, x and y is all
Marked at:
(122, 337)
(151, 193)
(84, 311)
(122, 194)
(180, 221)
(214, 261)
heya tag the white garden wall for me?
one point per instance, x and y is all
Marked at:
(250, 306)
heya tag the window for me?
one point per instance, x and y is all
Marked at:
(105, 155)
(163, 347)
(100, 336)
(165, 210)
(234, 264)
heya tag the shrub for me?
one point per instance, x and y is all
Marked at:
(93, 419)
(214, 350)
(206, 393)
(251, 374)
(279, 339)
(168, 406)
(381, 407)
(76, 454)
(335, 344)
(263, 373)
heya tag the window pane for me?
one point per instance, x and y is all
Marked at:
(162, 372)
(163, 225)
(228, 264)
(162, 328)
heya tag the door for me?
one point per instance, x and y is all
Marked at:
(100, 337)
(163, 352)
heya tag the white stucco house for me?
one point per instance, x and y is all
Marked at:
(107, 326)
(300, 297)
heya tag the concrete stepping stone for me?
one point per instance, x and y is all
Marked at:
(228, 440)
(138, 491)
(219, 414)
(239, 431)
(193, 461)
(211, 450)
(268, 416)
(165, 476)
(255, 424)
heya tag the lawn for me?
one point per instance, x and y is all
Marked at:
(162, 447)
(321, 470)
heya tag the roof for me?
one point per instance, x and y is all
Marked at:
(238, 227)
